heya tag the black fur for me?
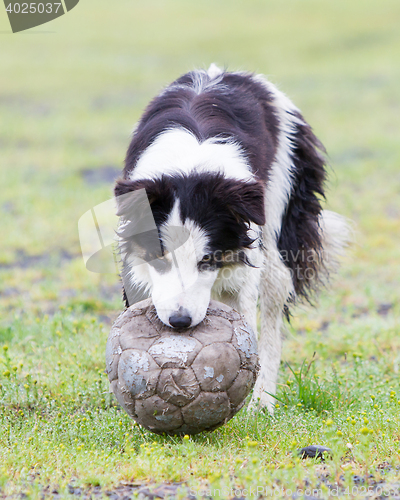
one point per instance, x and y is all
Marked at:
(300, 239)
(224, 208)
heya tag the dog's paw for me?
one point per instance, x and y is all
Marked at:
(261, 401)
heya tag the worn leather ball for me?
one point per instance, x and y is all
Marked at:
(181, 381)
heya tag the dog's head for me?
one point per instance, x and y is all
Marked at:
(179, 233)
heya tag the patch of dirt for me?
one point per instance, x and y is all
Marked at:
(25, 106)
(105, 174)
(369, 487)
(384, 309)
(168, 491)
(25, 261)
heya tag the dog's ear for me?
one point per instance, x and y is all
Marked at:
(144, 199)
(127, 194)
(246, 201)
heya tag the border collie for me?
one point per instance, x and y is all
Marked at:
(234, 178)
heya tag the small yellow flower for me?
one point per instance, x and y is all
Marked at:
(5, 348)
(339, 433)
(329, 422)
(364, 430)
(252, 444)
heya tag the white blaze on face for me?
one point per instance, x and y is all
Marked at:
(179, 285)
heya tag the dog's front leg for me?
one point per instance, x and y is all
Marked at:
(276, 286)
(269, 350)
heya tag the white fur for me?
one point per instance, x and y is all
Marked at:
(178, 151)
(183, 287)
(276, 286)
(281, 176)
(214, 71)
(202, 81)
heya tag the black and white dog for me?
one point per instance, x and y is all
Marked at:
(228, 159)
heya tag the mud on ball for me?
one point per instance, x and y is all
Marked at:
(181, 382)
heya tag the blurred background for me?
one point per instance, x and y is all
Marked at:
(71, 92)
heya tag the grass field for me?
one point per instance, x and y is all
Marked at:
(70, 93)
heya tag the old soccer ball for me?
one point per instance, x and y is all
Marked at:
(181, 382)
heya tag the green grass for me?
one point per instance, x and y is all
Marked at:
(68, 101)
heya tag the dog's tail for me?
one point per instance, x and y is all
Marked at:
(336, 235)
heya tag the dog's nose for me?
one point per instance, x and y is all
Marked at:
(180, 319)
